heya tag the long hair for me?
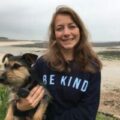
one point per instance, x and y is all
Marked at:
(84, 56)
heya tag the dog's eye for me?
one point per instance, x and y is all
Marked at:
(15, 66)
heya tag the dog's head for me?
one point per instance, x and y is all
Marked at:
(16, 69)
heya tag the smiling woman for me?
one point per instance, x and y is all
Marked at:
(67, 33)
(70, 70)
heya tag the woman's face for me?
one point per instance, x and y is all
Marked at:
(67, 32)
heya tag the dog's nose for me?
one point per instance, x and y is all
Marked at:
(2, 78)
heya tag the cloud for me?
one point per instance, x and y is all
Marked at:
(29, 19)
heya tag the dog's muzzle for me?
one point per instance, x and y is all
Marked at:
(2, 79)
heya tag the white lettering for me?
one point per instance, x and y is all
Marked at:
(63, 80)
(45, 79)
(84, 86)
(52, 79)
(76, 83)
(69, 81)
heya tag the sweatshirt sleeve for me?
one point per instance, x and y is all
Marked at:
(88, 106)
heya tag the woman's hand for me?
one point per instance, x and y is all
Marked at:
(32, 99)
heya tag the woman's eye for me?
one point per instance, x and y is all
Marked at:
(72, 26)
(59, 29)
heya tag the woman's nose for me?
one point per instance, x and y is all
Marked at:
(66, 31)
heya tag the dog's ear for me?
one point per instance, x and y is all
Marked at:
(30, 58)
(8, 55)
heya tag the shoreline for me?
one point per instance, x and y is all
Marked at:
(9, 43)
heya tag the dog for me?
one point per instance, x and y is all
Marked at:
(19, 76)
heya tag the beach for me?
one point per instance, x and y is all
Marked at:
(12, 47)
(110, 84)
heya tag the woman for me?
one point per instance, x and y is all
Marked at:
(70, 69)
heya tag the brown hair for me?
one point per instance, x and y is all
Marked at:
(83, 53)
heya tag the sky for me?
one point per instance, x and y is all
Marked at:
(29, 19)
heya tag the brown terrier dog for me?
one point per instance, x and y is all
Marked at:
(20, 78)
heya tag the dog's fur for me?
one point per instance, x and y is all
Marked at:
(17, 75)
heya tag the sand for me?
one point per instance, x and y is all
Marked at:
(8, 43)
(110, 88)
(111, 75)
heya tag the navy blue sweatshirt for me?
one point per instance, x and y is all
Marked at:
(75, 94)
